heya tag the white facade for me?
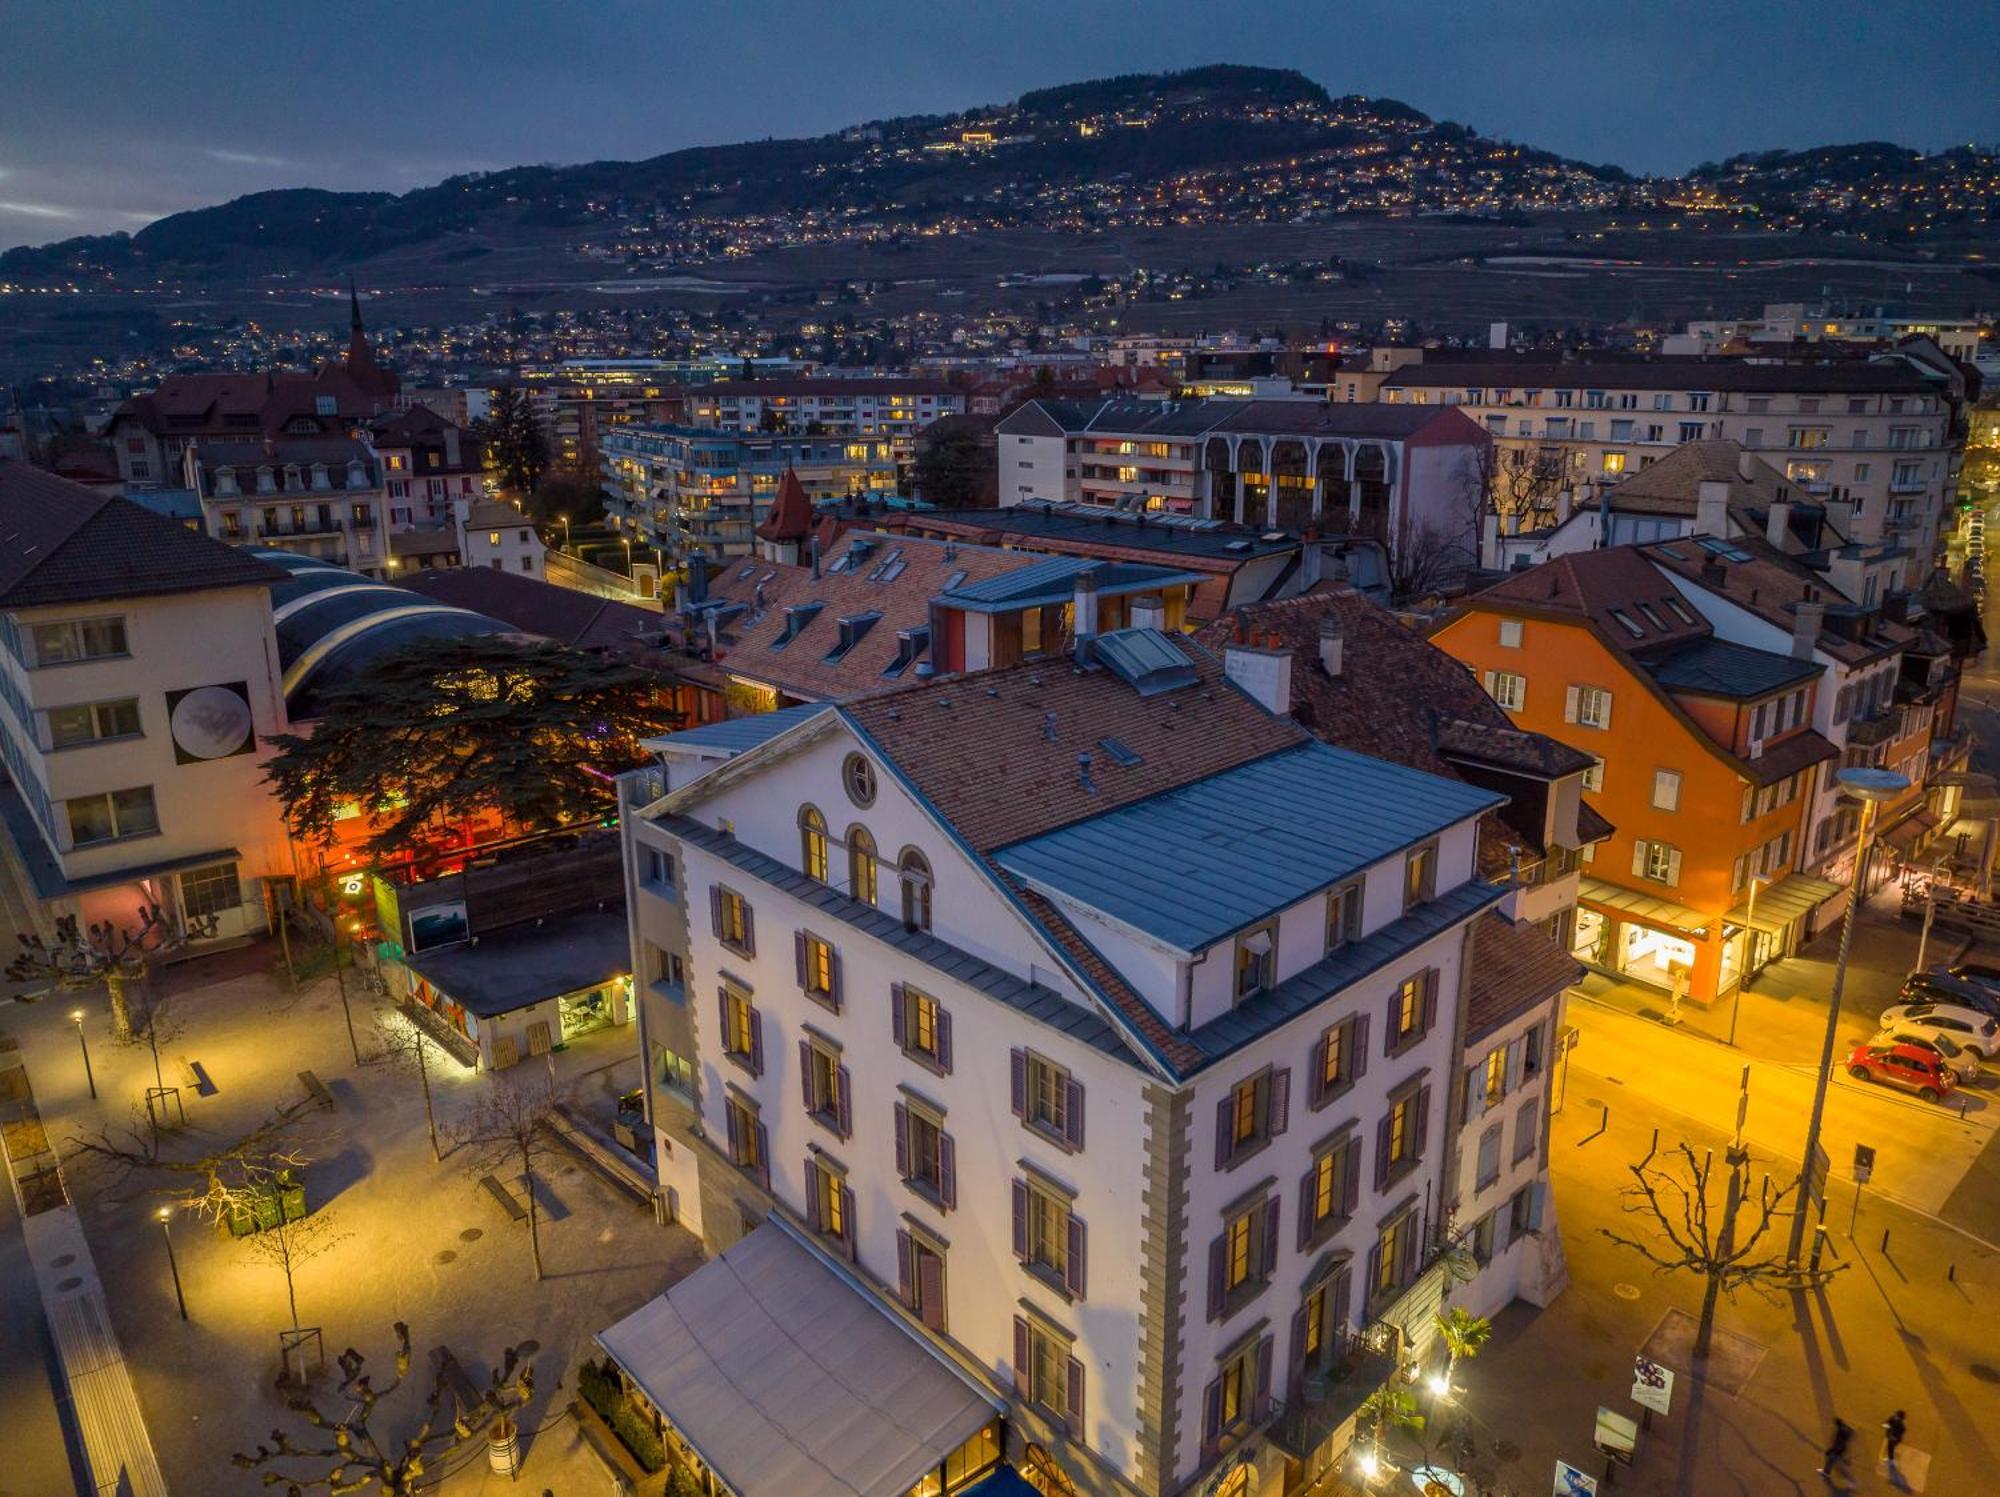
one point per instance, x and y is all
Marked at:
(500, 537)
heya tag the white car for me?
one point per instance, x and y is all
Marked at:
(1969, 1027)
(1959, 1059)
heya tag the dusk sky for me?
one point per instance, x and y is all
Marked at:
(113, 112)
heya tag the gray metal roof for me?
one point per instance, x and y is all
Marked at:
(1715, 667)
(736, 735)
(1196, 864)
(1146, 660)
(787, 1378)
(1100, 524)
(526, 964)
(1053, 580)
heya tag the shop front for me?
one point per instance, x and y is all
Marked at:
(1773, 920)
(1649, 940)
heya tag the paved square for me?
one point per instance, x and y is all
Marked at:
(1732, 1359)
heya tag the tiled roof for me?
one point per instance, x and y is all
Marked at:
(1514, 968)
(1788, 756)
(1598, 586)
(1771, 585)
(1715, 667)
(1097, 530)
(63, 543)
(1030, 723)
(1508, 747)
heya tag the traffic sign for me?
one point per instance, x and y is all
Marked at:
(1816, 1176)
(1864, 1163)
(1652, 1385)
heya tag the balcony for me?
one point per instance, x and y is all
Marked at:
(1326, 1399)
(1866, 732)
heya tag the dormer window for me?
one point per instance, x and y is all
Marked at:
(913, 871)
(267, 481)
(1420, 876)
(319, 477)
(812, 844)
(225, 481)
(357, 474)
(861, 864)
(1256, 961)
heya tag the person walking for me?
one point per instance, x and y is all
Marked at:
(1892, 1437)
(1836, 1450)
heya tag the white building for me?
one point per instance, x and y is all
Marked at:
(316, 496)
(1095, 1065)
(496, 535)
(139, 673)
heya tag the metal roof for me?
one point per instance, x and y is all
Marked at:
(736, 735)
(1100, 524)
(787, 1378)
(1715, 667)
(1647, 909)
(1785, 901)
(1198, 863)
(1146, 660)
(1053, 580)
(525, 964)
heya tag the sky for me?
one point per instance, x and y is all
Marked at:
(116, 112)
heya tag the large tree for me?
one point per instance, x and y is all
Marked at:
(517, 449)
(955, 464)
(447, 730)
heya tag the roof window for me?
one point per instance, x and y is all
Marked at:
(852, 628)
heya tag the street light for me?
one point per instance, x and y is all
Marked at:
(166, 1216)
(83, 1040)
(1749, 952)
(1872, 787)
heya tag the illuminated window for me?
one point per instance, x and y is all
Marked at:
(812, 840)
(913, 871)
(1614, 462)
(861, 864)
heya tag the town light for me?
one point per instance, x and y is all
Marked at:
(83, 1043)
(1439, 1384)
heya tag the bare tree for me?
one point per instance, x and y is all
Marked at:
(1690, 1235)
(1524, 484)
(107, 956)
(353, 1457)
(288, 1244)
(406, 1047)
(510, 1130)
(214, 1180)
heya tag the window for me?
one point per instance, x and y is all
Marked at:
(1524, 1212)
(1508, 689)
(1527, 1126)
(922, 1027)
(1666, 790)
(1049, 1238)
(857, 775)
(1489, 1158)
(1048, 1099)
(210, 891)
(749, 1142)
(861, 864)
(656, 868)
(1045, 1374)
(1241, 1260)
(1656, 861)
(1392, 1262)
(913, 872)
(920, 1275)
(111, 815)
(1402, 1133)
(1256, 1110)
(1493, 1075)
(664, 967)
(1420, 876)
(79, 639)
(1240, 1394)
(812, 844)
(1510, 634)
(742, 1030)
(1339, 1058)
(829, 1202)
(1343, 915)
(1330, 1190)
(734, 927)
(1412, 1010)
(1256, 961)
(925, 1156)
(1532, 1044)
(1589, 706)
(828, 1089)
(1593, 777)
(91, 722)
(818, 968)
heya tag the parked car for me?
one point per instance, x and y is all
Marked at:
(1967, 1026)
(1984, 973)
(1959, 992)
(1962, 1063)
(1914, 1068)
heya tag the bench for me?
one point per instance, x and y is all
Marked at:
(314, 1090)
(504, 1196)
(194, 1078)
(451, 1377)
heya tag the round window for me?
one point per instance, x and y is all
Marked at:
(859, 777)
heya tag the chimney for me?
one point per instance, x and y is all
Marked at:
(814, 550)
(1149, 613)
(1084, 608)
(697, 583)
(1262, 673)
(1711, 509)
(1778, 523)
(1332, 644)
(1806, 623)
(1603, 517)
(1746, 465)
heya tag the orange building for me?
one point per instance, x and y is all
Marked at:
(1707, 763)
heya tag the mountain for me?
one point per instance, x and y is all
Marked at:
(1221, 144)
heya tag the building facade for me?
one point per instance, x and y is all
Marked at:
(319, 496)
(888, 405)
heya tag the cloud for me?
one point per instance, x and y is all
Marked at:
(247, 158)
(36, 210)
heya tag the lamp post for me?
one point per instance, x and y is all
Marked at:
(1872, 787)
(565, 526)
(83, 1041)
(1749, 952)
(166, 1216)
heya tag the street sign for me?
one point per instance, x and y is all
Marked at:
(1864, 1163)
(1616, 1436)
(1652, 1385)
(1571, 1482)
(1816, 1176)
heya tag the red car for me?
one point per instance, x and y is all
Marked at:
(1912, 1067)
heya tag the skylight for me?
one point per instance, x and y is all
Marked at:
(1625, 623)
(1118, 753)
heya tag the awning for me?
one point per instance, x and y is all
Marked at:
(1647, 909)
(788, 1379)
(1908, 832)
(1785, 901)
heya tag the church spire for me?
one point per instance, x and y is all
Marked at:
(354, 310)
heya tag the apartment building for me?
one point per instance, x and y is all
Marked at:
(318, 496)
(428, 464)
(138, 677)
(579, 400)
(681, 487)
(1873, 441)
(888, 405)
(1709, 760)
(1125, 1093)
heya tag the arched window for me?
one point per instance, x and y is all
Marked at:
(861, 864)
(812, 843)
(913, 870)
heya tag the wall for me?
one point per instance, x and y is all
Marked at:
(1033, 467)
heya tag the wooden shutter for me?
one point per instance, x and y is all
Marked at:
(897, 1008)
(944, 1049)
(735, 1133)
(1673, 866)
(1307, 1196)
(1270, 1243)
(1422, 1104)
(1359, 1047)
(1569, 704)
(1474, 1100)
(1316, 1072)
(799, 957)
(1338, 1297)
(1073, 1274)
(1406, 1270)
(1263, 1404)
(806, 1073)
(756, 1041)
(749, 928)
(947, 1172)
(1073, 1111)
(812, 1196)
(902, 1142)
(1281, 1100)
(1020, 1084)
(1021, 1356)
(930, 1289)
(1430, 1006)
(1638, 857)
(1374, 1271)
(1350, 1167)
(843, 1102)
(1073, 1397)
(1395, 1013)
(1211, 1416)
(715, 909)
(1515, 1056)
(1217, 1267)
(722, 998)
(764, 1156)
(906, 1276)
(850, 1234)
(1606, 723)
(1382, 1153)
(1296, 1359)
(1021, 1220)
(1486, 679)
(1224, 1134)
(833, 976)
